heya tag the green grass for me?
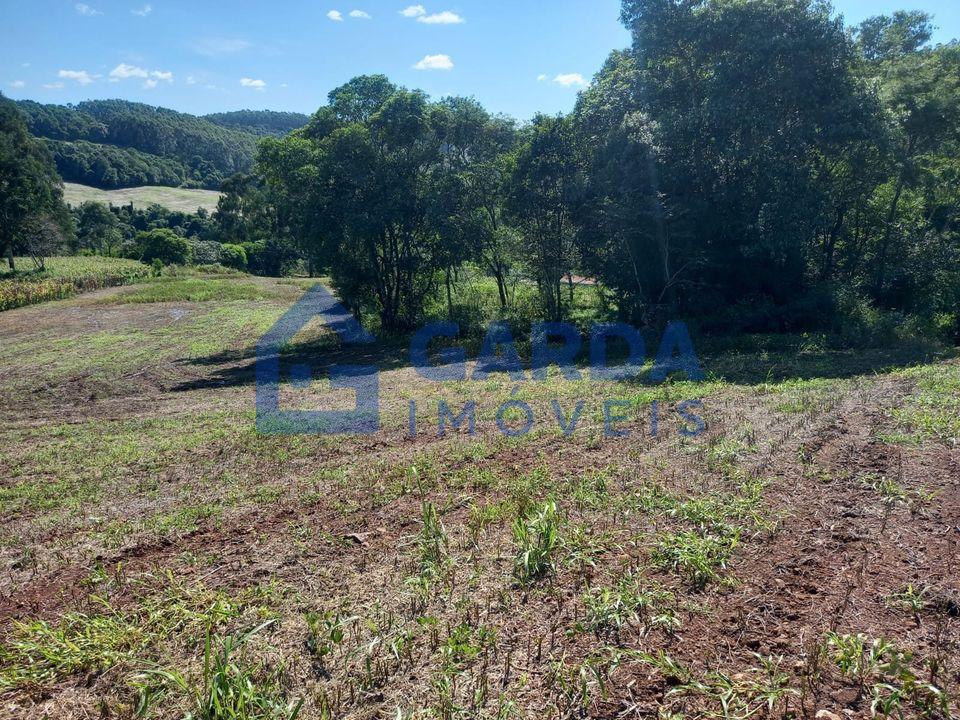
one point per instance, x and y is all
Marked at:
(697, 558)
(106, 357)
(181, 199)
(932, 412)
(38, 652)
(537, 537)
(193, 290)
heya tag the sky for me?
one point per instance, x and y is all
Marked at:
(517, 57)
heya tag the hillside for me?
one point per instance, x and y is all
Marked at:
(178, 199)
(260, 122)
(115, 143)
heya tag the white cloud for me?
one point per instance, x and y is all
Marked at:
(53, 86)
(441, 18)
(85, 9)
(24, 65)
(191, 80)
(214, 46)
(81, 76)
(252, 83)
(435, 62)
(143, 12)
(17, 83)
(335, 15)
(570, 79)
(124, 71)
(149, 84)
(283, 85)
(541, 78)
(360, 15)
(414, 11)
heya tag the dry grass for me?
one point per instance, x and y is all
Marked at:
(181, 199)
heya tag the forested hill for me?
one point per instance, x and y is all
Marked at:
(260, 122)
(115, 143)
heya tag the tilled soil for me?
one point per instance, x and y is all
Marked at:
(343, 533)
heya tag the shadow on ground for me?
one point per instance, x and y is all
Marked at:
(236, 368)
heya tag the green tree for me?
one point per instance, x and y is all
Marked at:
(163, 245)
(98, 229)
(746, 102)
(233, 256)
(370, 158)
(543, 188)
(29, 184)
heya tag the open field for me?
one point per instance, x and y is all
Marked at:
(182, 199)
(800, 555)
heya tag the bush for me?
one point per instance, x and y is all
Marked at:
(270, 258)
(205, 252)
(233, 256)
(163, 245)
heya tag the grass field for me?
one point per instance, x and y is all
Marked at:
(162, 558)
(182, 199)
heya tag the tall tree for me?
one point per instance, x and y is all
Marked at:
(470, 186)
(29, 184)
(742, 99)
(543, 190)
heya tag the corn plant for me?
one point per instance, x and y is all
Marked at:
(537, 538)
(229, 690)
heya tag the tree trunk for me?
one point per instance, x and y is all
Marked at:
(885, 242)
(10, 261)
(501, 287)
(449, 295)
(826, 269)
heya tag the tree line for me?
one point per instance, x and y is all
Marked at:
(755, 165)
(751, 166)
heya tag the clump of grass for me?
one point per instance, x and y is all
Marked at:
(932, 413)
(432, 544)
(909, 598)
(465, 644)
(590, 490)
(325, 631)
(698, 558)
(889, 489)
(484, 515)
(537, 537)
(39, 652)
(725, 453)
(886, 673)
(763, 690)
(229, 688)
(628, 602)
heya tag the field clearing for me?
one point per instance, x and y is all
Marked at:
(181, 199)
(746, 572)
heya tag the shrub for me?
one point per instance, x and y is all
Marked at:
(233, 256)
(163, 245)
(205, 252)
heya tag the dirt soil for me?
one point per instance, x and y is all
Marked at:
(131, 473)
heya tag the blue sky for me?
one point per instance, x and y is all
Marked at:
(516, 57)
